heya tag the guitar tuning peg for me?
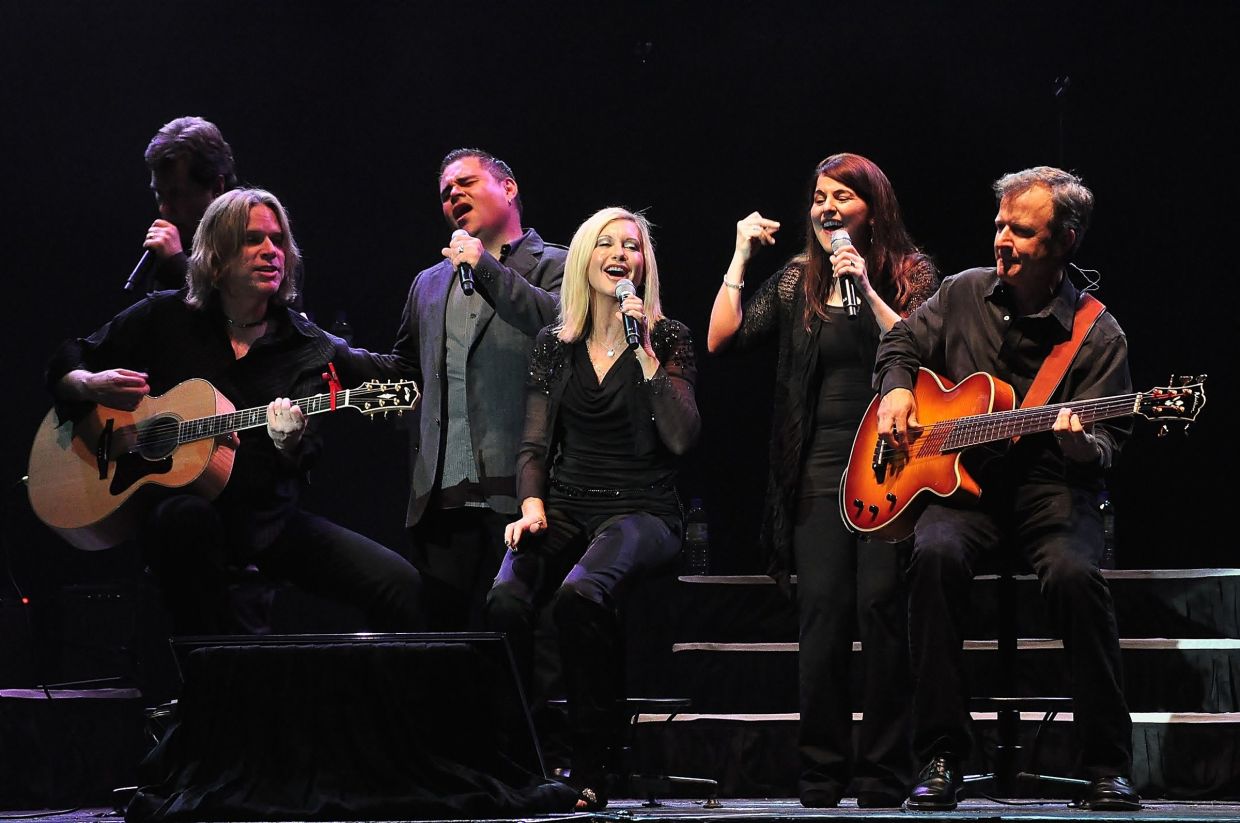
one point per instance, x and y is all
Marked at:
(1201, 378)
(1187, 426)
(1162, 430)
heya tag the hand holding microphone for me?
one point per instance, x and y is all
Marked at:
(163, 240)
(632, 330)
(464, 251)
(846, 269)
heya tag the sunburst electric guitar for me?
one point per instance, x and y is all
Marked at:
(89, 479)
(884, 488)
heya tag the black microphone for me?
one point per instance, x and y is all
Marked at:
(848, 284)
(139, 270)
(463, 269)
(625, 288)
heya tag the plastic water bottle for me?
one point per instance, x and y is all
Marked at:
(1108, 531)
(696, 556)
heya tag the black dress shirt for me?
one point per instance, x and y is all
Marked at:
(971, 325)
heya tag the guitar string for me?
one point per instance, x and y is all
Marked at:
(975, 429)
(165, 434)
(171, 431)
(945, 434)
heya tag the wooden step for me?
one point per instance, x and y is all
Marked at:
(1185, 603)
(1161, 674)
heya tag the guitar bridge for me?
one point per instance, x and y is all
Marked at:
(880, 460)
(103, 447)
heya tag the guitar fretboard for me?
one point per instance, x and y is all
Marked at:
(963, 432)
(166, 432)
(219, 424)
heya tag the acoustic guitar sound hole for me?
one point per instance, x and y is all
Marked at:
(157, 437)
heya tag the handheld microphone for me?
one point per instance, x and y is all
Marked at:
(139, 270)
(848, 284)
(463, 269)
(625, 288)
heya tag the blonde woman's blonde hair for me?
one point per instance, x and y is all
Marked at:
(221, 236)
(575, 300)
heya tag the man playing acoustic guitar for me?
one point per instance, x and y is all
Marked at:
(1040, 498)
(233, 327)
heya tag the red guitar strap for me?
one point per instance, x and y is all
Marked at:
(1055, 366)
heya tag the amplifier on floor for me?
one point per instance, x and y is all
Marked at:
(347, 727)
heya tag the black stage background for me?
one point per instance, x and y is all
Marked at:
(698, 113)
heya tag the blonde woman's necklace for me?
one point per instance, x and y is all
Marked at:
(609, 347)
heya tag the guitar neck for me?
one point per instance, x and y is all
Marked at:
(220, 424)
(978, 429)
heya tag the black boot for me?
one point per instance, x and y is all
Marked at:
(591, 653)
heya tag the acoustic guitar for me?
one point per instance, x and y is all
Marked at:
(88, 480)
(885, 488)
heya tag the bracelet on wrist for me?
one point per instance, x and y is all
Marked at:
(737, 286)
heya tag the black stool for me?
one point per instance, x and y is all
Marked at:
(647, 785)
(1007, 777)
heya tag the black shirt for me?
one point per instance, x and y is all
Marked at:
(173, 342)
(971, 325)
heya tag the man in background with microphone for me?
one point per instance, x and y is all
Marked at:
(191, 164)
(468, 327)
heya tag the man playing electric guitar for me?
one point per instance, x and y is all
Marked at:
(1039, 498)
(233, 327)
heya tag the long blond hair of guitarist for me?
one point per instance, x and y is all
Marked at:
(151, 440)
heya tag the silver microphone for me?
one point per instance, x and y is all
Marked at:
(848, 284)
(625, 288)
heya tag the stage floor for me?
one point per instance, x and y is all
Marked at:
(784, 810)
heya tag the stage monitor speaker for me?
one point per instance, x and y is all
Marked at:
(347, 727)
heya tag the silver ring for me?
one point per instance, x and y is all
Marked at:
(460, 249)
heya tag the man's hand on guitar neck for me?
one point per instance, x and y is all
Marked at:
(897, 415)
(285, 424)
(1077, 443)
(114, 388)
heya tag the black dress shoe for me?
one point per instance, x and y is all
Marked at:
(940, 781)
(1110, 794)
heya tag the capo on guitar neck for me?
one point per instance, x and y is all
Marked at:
(333, 382)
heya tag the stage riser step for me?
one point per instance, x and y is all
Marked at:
(730, 679)
(758, 758)
(1169, 603)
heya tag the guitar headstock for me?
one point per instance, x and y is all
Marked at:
(382, 397)
(1178, 402)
